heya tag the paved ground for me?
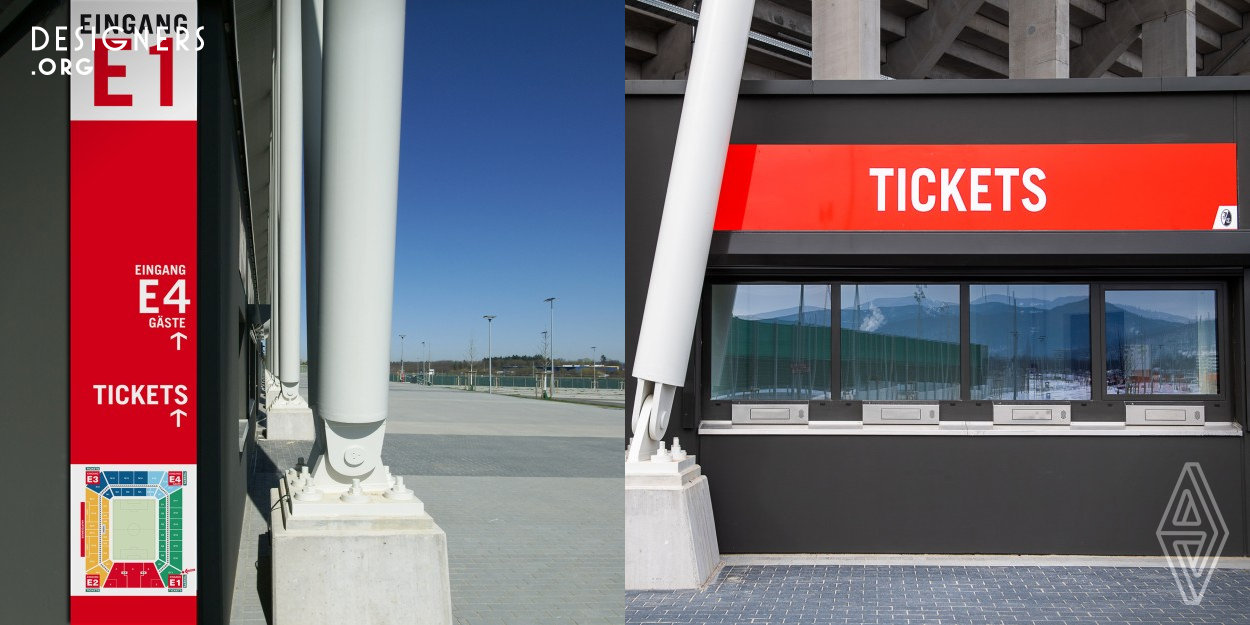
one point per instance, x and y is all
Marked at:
(601, 396)
(777, 594)
(530, 494)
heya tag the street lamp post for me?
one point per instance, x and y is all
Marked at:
(490, 363)
(401, 357)
(594, 379)
(424, 371)
(551, 349)
(546, 387)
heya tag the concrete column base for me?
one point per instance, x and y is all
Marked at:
(670, 536)
(290, 424)
(358, 569)
(289, 420)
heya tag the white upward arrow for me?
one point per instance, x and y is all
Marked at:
(178, 336)
(179, 414)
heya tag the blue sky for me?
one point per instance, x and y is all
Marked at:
(511, 179)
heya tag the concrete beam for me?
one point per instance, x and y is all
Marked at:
(1233, 56)
(929, 35)
(1039, 39)
(996, 10)
(893, 27)
(846, 39)
(771, 18)
(984, 32)
(1103, 43)
(1218, 15)
(764, 64)
(1207, 38)
(1127, 65)
(1086, 13)
(985, 64)
(674, 47)
(905, 8)
(1169, 47)
(640, 45)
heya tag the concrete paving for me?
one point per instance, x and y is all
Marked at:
(599, 396)
(967, 595)
(530, 493)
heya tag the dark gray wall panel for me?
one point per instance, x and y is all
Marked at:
(223, 341)
(948, 494)
(34, 322)
(756, 514)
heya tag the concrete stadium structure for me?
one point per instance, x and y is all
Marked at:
(863, 39)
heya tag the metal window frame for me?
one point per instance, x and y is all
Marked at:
(1221, 339)
(1100, 406)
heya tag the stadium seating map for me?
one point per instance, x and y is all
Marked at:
(130, 537)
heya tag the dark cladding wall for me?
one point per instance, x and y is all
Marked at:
(34, 322)
(1000, 494)
(225, 347)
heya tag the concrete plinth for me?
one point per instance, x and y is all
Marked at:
(670, 537)
(289, 421)
(358, 569)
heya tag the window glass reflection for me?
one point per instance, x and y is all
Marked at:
(1029, 341)
(1161, 343)
(771, 342)
(900, 342)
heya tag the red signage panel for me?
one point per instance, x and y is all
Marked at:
(133, 313)
(1190, 186)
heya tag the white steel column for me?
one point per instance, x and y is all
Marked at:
(272, 383)
(689, 212)
(289, 219)
(361, 105)
(311, 45)
(670, 535)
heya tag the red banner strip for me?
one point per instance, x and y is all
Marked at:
(979, 187)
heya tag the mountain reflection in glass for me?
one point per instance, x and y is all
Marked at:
(900, 342)
(1030, 342)
(771, 342)
(1161, 343)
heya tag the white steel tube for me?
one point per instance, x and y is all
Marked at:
(290, 221)
(361, 104)
(271, 346)
(311, 46)
(693, 190)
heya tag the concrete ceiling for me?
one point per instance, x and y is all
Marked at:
(254, 39)
(978, 51)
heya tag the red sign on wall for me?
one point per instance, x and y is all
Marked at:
(1190, 186)
(133, 313)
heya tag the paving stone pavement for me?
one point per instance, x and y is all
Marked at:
(535, 524)
(888, 595)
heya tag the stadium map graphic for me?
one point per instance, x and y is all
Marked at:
(132, 530)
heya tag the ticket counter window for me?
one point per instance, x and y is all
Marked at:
(1161, 342)
(771, 342)
(1029, 342)
(900, 342)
